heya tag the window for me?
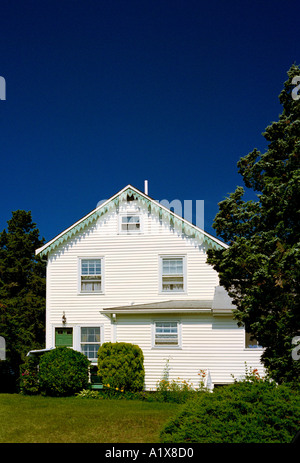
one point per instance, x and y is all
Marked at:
(172, 278)
(166, 334)
(251, 342)
(90, 341)
(91, 276)
(130, 223)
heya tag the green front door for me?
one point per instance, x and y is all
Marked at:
(63, 337)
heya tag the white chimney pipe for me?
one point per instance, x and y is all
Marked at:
(146, 187)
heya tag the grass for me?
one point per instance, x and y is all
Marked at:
(37, 419)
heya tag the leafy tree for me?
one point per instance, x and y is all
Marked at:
(22, 288)
(260, 268)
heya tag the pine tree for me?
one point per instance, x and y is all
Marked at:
(22, 288)
(260, 269)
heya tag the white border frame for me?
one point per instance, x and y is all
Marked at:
(172, 256)
(88, 293)
(132, 232)
(89, 325)
(179, 331)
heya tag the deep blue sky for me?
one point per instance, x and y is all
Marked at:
(105, 93)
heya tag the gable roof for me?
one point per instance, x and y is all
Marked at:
(112, 202)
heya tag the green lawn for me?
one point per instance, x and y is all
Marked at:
(37, 419)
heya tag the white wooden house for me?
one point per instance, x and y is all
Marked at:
(133, 271)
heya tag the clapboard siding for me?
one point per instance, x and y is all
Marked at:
(131, 276)
(131, 268)
(205, 345)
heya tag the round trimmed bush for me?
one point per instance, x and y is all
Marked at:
(121, 366)
(259, 412)
(63, 372)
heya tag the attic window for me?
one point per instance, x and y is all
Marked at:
(130, 223)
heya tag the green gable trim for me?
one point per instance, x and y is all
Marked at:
(189, 229)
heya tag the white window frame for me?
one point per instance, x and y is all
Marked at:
(94, 361)
(184, 274)
(80, 259)
(166, 346)
(131, 232)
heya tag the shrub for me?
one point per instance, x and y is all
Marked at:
(116, 394)
(89, 394)
(121, 365)
(245, 412)
(178, 391)
(63, 372)
(29, 380)
(174, 391)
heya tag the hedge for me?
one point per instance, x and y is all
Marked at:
(246, 412)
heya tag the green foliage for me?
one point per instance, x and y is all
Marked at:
(89, 394)
(253, 376)
(29, 379)
(116, 394)
(174, 391)
(22, 289)
(63, 372)
(121, 365)
(178, 391)
(260, 268)
(252, 411)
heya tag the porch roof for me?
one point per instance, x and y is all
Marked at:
(220, 304)
(163, 306)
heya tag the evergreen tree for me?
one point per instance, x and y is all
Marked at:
(260, 268)
(22, 288)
